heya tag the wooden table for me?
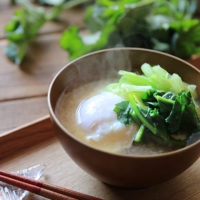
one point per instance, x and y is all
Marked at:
(23, 99)
(23, 90)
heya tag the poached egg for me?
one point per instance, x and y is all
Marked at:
(96, 117)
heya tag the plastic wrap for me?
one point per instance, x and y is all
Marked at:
(8, 192)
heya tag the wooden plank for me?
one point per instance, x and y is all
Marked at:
(44, 59)
(4, 4)
(25, 136)
(68, 17)
(18, 112)
(61, 170)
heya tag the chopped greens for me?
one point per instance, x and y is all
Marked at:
(166, 115)
(165, 25)
(123, 110)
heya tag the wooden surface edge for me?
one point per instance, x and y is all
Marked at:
(25, 136)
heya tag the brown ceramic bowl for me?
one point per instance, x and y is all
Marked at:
(113, 168)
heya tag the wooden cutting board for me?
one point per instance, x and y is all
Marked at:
(35, 143)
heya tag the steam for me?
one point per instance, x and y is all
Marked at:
(104, 65)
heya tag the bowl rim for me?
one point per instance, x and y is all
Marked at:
(66, 131)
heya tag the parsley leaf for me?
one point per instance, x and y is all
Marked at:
(78, 45)
(163, 25)
(23, 27)
(123, 110)
(26, 23)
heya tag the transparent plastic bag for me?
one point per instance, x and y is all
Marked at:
(8, 192)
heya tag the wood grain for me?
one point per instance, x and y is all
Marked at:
(4, 4)
(61, 170)
(44, 59)
(25, 136)
(15, 113)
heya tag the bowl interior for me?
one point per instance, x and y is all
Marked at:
(106, 63)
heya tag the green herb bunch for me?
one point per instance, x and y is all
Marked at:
(165, 25)
(27, 22)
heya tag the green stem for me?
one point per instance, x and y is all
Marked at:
(139, 134)
(139, 115)
(164, 100)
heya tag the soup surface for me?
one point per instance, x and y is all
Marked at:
(87, 112)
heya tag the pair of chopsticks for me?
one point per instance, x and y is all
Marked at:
(43, 189)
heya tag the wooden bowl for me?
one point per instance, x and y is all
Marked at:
(112, 168)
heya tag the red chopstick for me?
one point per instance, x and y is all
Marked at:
(43, 189)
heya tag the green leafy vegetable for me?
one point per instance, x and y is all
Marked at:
(139, 134)
(165, 117)
(153, 79)
(163, 25)
(26, 23)
(175, 116)
(190, 112)
(78, 45)
(165, 105)
(176, 29)
(23, 27)
(123, 110)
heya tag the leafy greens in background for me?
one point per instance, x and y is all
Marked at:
(165, 25)
(26, 23)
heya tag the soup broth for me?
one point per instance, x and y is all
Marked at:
(120, 141)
